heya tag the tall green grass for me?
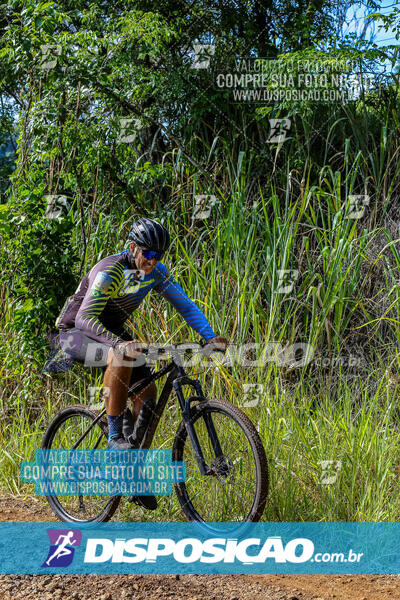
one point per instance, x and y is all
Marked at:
(344, 304)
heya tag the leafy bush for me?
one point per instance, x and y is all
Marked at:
(37, 265)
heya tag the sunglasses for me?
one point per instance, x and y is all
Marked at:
(150, 254)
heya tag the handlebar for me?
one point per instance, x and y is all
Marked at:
(203, 344)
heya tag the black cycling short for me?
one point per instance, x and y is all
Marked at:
(82, 349)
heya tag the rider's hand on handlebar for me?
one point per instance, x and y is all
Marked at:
(217, 343)
(129, 349)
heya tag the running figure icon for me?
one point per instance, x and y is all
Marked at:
(62, 549)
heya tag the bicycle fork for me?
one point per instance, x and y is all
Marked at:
(185, 407)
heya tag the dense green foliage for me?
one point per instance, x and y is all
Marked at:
(277, 206)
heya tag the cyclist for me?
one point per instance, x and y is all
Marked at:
(91, 328)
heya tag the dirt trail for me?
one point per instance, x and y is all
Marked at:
(186, 587)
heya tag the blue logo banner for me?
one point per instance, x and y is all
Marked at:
(252, 548)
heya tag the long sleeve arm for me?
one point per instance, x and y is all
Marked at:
(194, 317)
(100, 287)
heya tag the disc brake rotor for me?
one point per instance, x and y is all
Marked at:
(223, 469)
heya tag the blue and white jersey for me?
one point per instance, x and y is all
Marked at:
(114, 288)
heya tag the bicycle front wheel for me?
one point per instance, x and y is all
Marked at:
(236, 488)
(64, 432)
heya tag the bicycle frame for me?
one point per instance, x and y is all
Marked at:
(176, 379)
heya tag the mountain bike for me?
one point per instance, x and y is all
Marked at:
(226, 466)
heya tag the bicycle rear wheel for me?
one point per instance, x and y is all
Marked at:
(237, 487)
(63, 432)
